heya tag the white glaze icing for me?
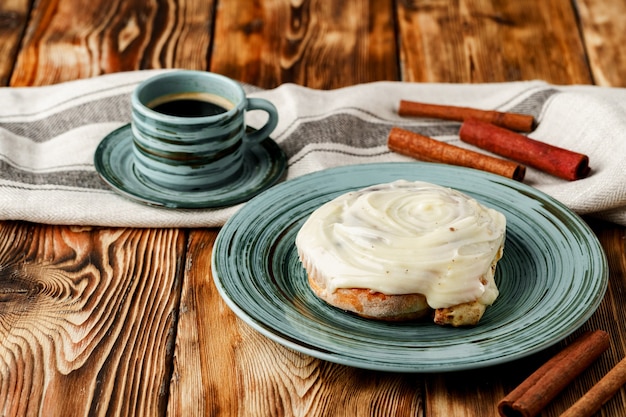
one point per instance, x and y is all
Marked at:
(406, 238)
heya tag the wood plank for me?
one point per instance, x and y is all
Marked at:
(472, 393)
(604, 32)
(238, 371)
(491, 41)
(476, 393)
(275, 43)
(125, 344)
(13, 18)
(67, 41)
(87, 319)
(314, 43)
(610, 316)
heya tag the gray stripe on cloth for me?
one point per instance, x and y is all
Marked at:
(339, 128)
(350, 130)
(108, 109)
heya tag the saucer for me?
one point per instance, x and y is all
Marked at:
(264, 164)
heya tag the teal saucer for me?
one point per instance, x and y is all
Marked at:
(264, 164)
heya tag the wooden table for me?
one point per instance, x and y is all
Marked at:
(106, 321)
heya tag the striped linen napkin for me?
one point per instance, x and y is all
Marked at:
(48, 136)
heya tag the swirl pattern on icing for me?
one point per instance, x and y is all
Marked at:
(406, 238)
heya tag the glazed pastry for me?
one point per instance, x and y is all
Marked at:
(404, 250)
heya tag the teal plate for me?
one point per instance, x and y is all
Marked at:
(552, 277)
(264, 164)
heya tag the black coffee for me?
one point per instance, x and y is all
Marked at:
(186, 107)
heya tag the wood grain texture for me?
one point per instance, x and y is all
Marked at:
(490, 41)
(13, 17)
(451, 394)
(313, 43)
(605, 39)
(240, 372)
(608, 317)
(129, 322)
(74, 39)
(87, 319)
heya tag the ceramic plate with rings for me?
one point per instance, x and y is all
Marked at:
(551, 278)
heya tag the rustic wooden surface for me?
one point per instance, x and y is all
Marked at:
(97, 321)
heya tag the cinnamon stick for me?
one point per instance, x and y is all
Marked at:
(532, 395)
(513, 121)
(557, 161)
(600, 393)
(430, 150)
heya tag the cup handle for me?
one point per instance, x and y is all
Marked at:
(270, 125)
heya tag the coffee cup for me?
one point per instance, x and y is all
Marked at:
(189, 130)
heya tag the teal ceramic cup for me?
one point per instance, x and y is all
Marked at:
(189, 129)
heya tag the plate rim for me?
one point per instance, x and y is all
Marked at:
(122, 137)
(528, 191)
